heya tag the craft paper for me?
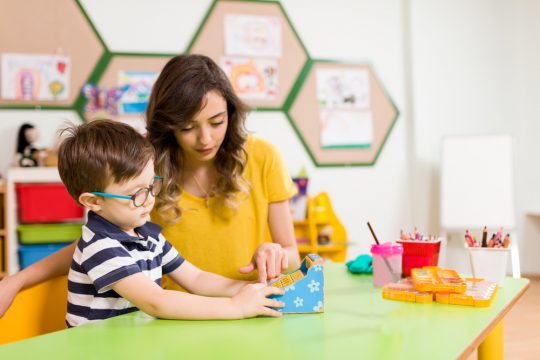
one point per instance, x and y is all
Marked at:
(35, 77)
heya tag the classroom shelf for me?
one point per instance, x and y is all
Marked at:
(35, 175)
(320, 217)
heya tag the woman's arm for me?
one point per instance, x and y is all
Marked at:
(271, 259)
(52, 266)
(282, 230)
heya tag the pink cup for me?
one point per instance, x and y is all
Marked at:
(386, 263)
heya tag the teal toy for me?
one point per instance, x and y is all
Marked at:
(363, 264)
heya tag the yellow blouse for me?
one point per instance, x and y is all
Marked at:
(222, 244)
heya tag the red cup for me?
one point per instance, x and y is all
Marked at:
(417, 254)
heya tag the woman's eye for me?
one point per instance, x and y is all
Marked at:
(217, 123)
(187, 129)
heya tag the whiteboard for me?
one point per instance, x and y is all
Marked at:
(477, 186)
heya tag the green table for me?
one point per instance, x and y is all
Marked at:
(357, 323)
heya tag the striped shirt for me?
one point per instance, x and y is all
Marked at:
(105, 255)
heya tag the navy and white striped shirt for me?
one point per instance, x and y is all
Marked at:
(105, 255)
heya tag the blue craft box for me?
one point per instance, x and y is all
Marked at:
(304, 288)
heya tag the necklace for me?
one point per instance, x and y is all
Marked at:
(206, 193)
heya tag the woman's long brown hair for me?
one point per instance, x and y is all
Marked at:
(177, 96)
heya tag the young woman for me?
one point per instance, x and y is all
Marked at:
(224, 204)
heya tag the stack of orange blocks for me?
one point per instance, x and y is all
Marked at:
(442, 285)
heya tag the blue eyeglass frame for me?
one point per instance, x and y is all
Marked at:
(127, 197)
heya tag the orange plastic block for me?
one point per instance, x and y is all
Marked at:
(404, 291)
(480, 293)
(435, 279)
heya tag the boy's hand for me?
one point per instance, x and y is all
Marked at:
(252, 301)
(270, 259)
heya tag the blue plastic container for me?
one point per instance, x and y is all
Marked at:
(29, 254)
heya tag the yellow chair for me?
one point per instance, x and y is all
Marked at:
(35, 311)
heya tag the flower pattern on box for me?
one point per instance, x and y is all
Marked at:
(304, 288)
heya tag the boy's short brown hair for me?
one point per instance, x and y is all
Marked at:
(95, 154)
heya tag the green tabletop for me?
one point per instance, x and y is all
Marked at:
(357, 323)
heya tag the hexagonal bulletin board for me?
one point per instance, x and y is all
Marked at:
(125, 62)
(50, 27)
(304, 112)
(62, 27)
(210, 41)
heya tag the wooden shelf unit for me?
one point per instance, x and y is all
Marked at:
(320, 215)
(15, 176)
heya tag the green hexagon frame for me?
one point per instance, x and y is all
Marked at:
(302, 110)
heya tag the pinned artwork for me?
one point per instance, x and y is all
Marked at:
(252, 78)
(345, 118)
(252, 35)
(136, 87)
(304, 287)
(35, 77)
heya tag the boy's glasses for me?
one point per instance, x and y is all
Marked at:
(139, 198)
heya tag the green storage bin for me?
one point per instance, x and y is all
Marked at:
(49, 233)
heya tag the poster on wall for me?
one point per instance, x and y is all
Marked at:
(343, 97)
(35, 77)
(135, 88)
(252, 35)
(252, 78)
(346, 128)
(343, 89)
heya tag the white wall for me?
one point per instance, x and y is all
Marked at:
(367, 31)
(451, 67)
(475, 71)
(342, 30)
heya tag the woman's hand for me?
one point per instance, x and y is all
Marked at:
(9, 287)
(270, 259)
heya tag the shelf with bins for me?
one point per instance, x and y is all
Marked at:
(37, 199)
(321, 232)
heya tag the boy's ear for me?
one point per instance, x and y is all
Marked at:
(90, 201)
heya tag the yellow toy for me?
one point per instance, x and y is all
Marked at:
(404, 291)
(480, 293)
(435, 279)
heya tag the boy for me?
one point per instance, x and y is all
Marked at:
(117, 266)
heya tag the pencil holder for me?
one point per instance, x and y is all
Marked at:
(489, 263)
(386, 263)
(417, 254)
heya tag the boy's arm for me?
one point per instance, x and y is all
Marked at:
(169, 304)
(205, 283)
(50, 267)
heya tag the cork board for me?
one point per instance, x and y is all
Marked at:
(54, 27)
(304, 114)
(109, 80)
(210, 41)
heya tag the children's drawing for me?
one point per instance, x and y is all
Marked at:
(35, 77)
(251, 35)
(346, 128)
(136, 87)
(343, 89)
(252, 78)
